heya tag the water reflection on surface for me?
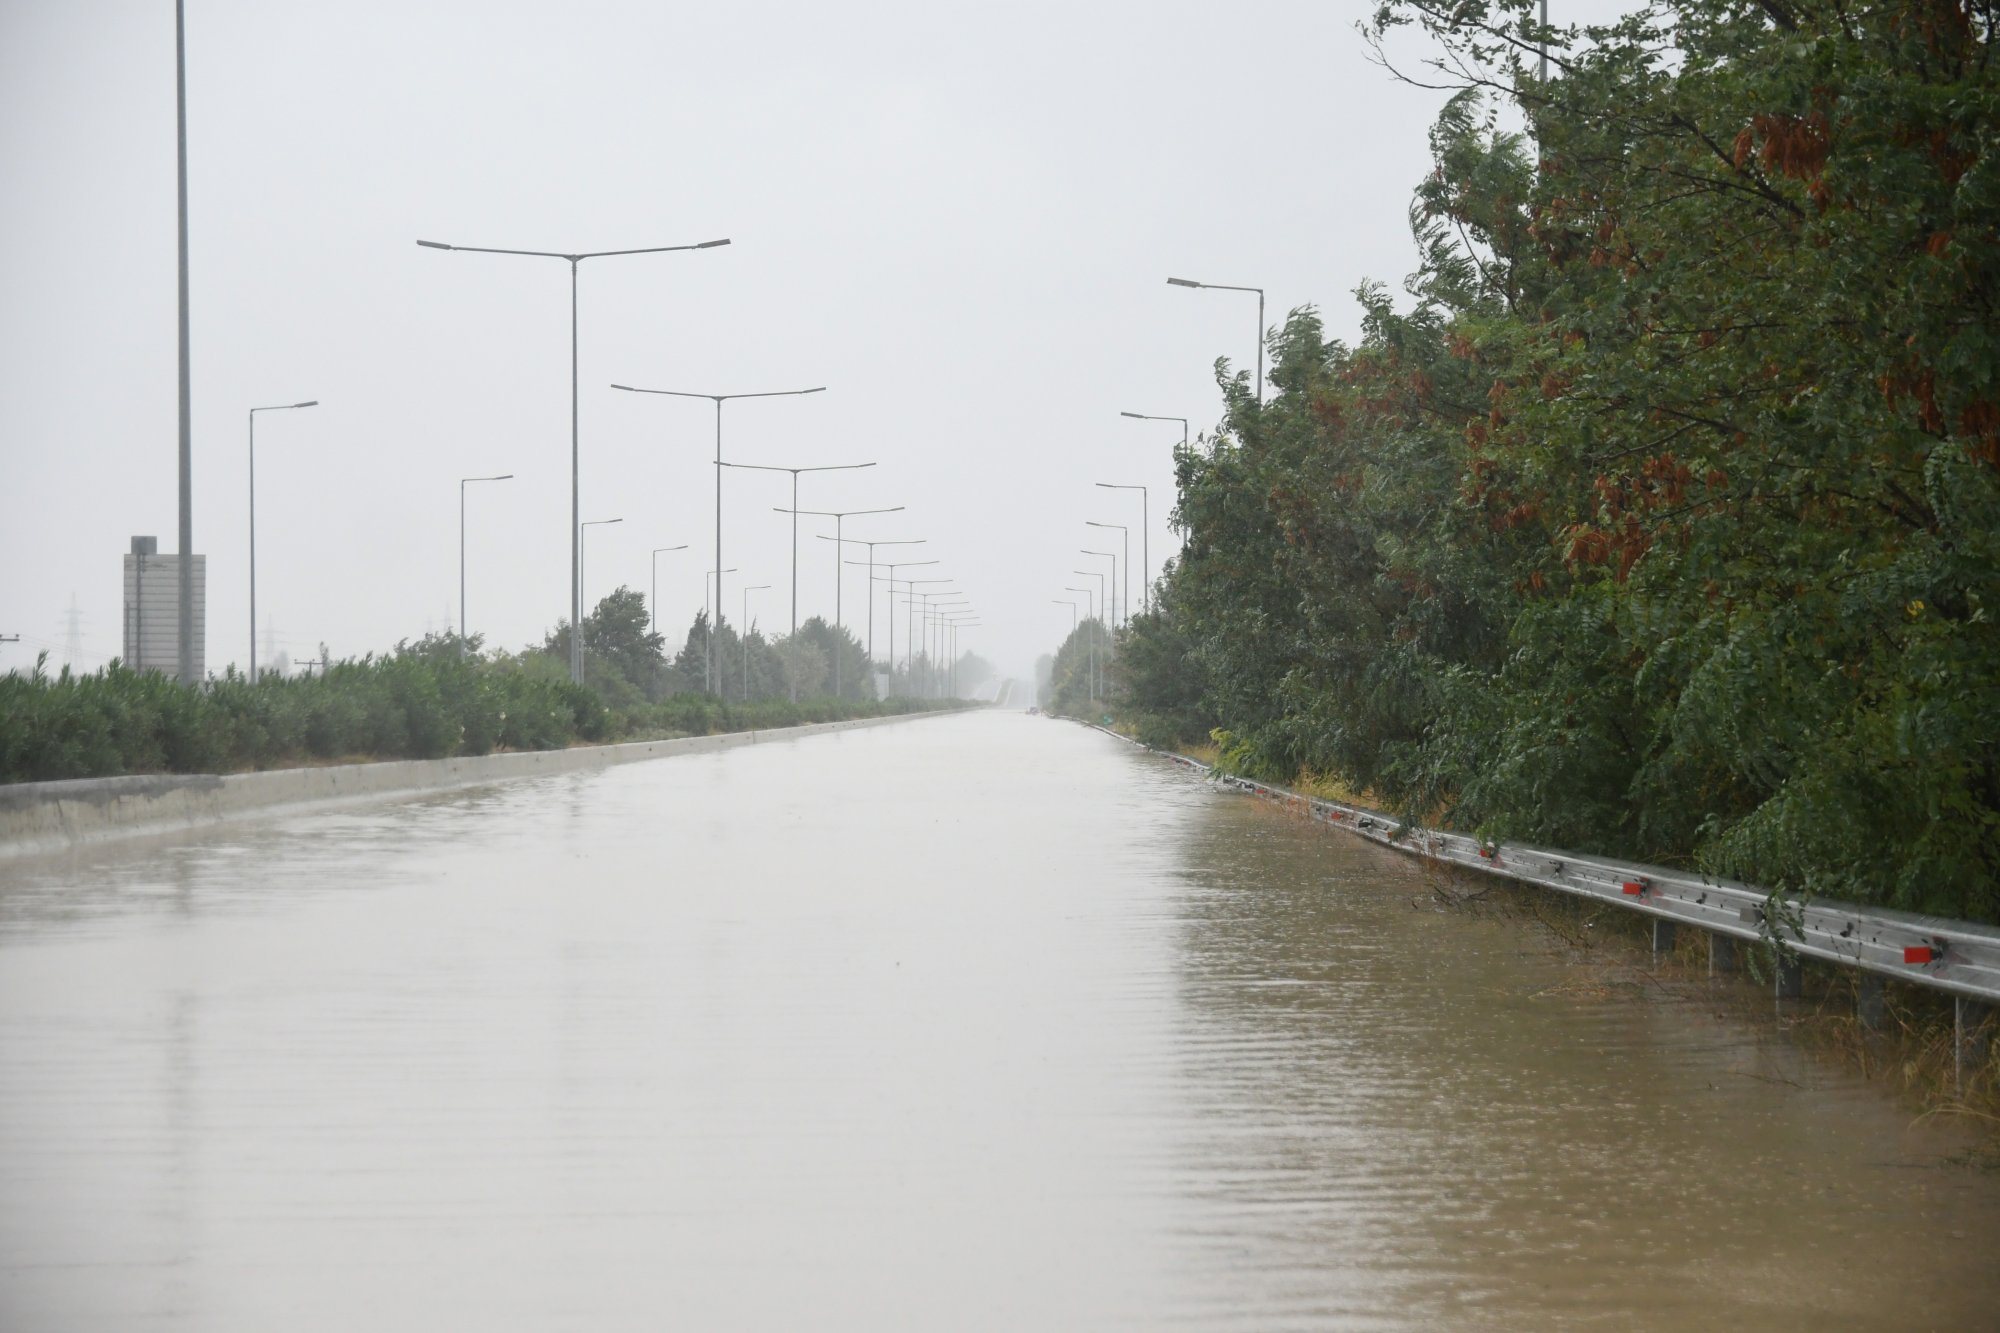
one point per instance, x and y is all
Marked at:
(976, 1022)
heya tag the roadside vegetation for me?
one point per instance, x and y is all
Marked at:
(434, 698)
(1660, 515)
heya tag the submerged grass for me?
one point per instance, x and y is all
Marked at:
(1912, 1052)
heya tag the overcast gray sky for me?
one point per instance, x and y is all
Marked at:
(958, 218)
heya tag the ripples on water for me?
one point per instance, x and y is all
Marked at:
(975, 1022)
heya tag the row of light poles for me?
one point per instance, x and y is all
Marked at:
(1097, 601)
(711, 662)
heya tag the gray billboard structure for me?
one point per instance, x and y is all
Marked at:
(152, 610)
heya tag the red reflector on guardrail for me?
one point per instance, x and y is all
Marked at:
(1632, 888)
(1920, 953)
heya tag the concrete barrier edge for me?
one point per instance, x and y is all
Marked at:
(39, 817)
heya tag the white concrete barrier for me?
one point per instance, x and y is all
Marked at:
(50, 816)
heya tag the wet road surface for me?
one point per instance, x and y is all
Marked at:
(981, 1021)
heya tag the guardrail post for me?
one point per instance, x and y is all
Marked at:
(1973, 1037)
(1787, 980)
(1721, 955)
(1871, 1008)
(1663, 937)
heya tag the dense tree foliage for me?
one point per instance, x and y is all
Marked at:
(1663, 518)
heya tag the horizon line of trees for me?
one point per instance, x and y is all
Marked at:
(1663, 518)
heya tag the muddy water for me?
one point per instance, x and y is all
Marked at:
(976, 1022)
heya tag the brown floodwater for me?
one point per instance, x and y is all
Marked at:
(976, 1022)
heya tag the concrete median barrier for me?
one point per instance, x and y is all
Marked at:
(50, 816)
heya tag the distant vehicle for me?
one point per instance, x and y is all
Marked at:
(1034, 711)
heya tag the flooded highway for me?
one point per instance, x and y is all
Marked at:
(975, 1022)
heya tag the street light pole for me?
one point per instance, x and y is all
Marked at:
(462, 483)
(1224, 287)
(575, 450)
(910, 596)
(281, 407)
(1125, 589)
(920, 614)
(1111, 611)
(935, 633)
(891, 581)
(713, 668)
(765, 467)
(870, 562)
(838, 517)
(1097, 674)
(743, 635)
(709, 649)
(1145, 529)
(659, 551)
(576, 626)
(185, 666)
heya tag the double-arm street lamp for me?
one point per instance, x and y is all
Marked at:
(935, 614)
(576, 626)
(766, 467)
(463, 482)
(838, 516)
(1145, 559)
(659, 551)
(1125, 588)
(870, 562)
(280, 407)
(1225, 287)
(969, 620)
(575, 467)
(891, 581)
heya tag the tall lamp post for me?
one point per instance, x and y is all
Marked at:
(870, 562)
(935, 635)
(1125, 588)
(920, 616)
(1225, 287)
(659, 551)
(1111, 612)
(1096, 614)
(891, 581)
(1064, 601)
(743, 635)
(712, 667)
(575, 455)
(765, 467)
(463, 482)
(1145, 559)
(281, 407)
(709, 648)
(838, 517)
(953, 625)
(576, 626)
(185, 666)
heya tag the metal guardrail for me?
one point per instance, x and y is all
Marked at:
(1960, 958)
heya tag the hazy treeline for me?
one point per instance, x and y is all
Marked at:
(1663, 517)
(436, 697)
